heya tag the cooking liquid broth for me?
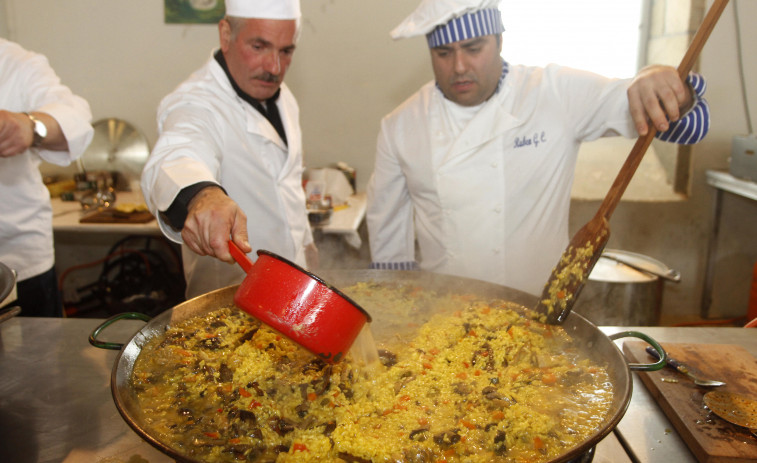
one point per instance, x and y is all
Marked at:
(365, 353)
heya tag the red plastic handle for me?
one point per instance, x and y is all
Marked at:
(240, 257)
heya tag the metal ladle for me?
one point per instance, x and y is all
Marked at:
(734, 408)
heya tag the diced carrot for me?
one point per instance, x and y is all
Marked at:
(461, 375)
(477, 373)
(423, 421)
(427, 365)
(312, 396)
(244, 392)
(549, 378)
(235, 440)
(538, 444)
(468, 424)
(498, 415)
(213, 435)
(299, 447)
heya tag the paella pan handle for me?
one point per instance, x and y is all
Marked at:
(121, 316)
(643, 366)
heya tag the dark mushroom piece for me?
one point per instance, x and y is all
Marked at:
(446, 439)
(500, 443)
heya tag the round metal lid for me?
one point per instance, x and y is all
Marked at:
(609, 270)
(117, 146)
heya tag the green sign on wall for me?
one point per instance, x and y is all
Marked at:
(194, 11)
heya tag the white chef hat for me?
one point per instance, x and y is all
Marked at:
(263, 9)
(447, 21)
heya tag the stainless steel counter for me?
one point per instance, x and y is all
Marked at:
(56, 406)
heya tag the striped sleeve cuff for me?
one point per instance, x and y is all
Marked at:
(695, 124)
(410, 265)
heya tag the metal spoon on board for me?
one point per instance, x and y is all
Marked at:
(686, 370)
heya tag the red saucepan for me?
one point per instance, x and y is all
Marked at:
(298, 304)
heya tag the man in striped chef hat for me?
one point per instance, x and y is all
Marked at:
(477, 166)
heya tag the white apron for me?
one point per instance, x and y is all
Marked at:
(489, 199)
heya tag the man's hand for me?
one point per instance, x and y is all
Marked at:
(16, 133)
(212, 219)
(658, 96)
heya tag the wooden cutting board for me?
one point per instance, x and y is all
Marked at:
(711, 439)
(115, 216)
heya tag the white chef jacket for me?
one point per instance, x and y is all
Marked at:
(208, 133)
(486, 191)
(28, 83)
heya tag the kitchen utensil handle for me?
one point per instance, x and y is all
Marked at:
(671, 361)
(114, 345)
(240, 257)
(649, 340)
(642, 143)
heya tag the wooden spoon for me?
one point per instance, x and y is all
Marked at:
(578, 259)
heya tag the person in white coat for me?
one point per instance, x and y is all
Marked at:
(228, 160)
(477, 166)
(40, 120)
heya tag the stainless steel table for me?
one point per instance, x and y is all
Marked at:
(721, 181)
(56, 406)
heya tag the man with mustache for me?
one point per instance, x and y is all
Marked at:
(228, 161)
(477, 166)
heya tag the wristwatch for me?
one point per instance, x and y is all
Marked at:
(39, 128)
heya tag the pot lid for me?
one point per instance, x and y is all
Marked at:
(610, 270)
(117, 146)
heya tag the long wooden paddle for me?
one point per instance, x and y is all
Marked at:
(569, 276)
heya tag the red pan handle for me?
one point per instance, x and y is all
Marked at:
(240, 257)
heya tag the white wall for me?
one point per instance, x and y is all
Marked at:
(120, 56)
(347, 74)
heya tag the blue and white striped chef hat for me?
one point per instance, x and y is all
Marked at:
(447, 21)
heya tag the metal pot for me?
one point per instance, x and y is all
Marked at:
(7, 293)
(596, 344)
(7, 282)
(625, 289)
